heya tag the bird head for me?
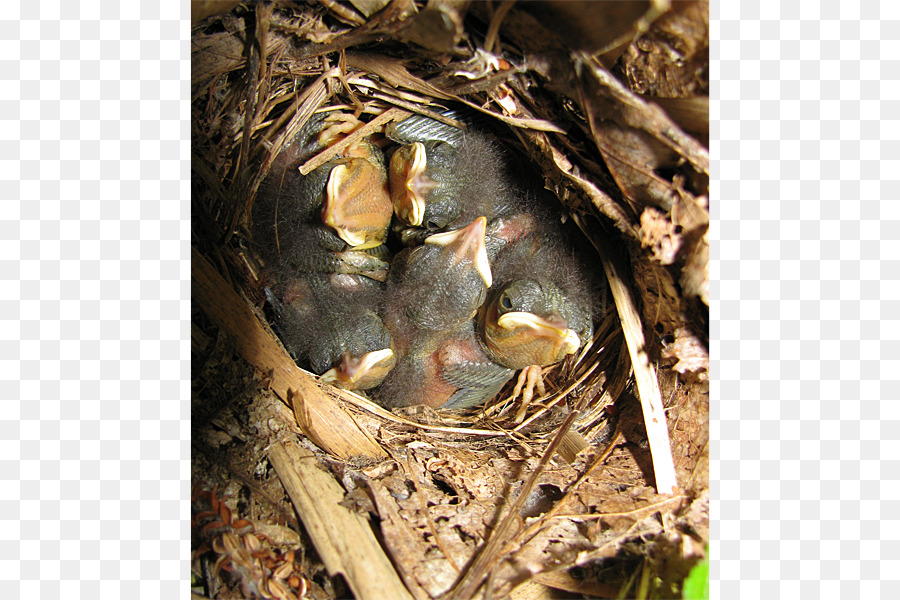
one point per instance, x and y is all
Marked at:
(424, 189)
(445, 280)
(357, 205)
(526, 323)
(360, 372)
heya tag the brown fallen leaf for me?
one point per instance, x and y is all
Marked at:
(692, 355)
(659, 235)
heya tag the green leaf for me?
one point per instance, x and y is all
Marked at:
(696, 585)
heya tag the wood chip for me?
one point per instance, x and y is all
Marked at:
(321, 419)
(343, 539)
(647, 384)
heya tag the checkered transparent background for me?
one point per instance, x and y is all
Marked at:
(805, 271)
(95, 320)
(94, 172)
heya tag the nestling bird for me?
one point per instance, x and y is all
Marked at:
(442, 177)
(302, 222)
(331, 322)
(439, 285)
(433, 291)
(541, 307)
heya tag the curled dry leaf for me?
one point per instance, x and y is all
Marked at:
(647, 65)
(690, 352)
(659, 235)
(438, 27)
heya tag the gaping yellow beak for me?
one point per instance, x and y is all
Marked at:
(565, 340)
(357, 205)
(469, 244)
(361, 373)
(409, 183)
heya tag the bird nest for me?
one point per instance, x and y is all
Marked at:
(600, 486)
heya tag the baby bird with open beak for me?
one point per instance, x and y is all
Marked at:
(541, 307)
(333, 220)
(433, 292)
(331, 323)
(442, 177)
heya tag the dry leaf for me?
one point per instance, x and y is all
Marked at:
(692, 355)
(658, 234)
